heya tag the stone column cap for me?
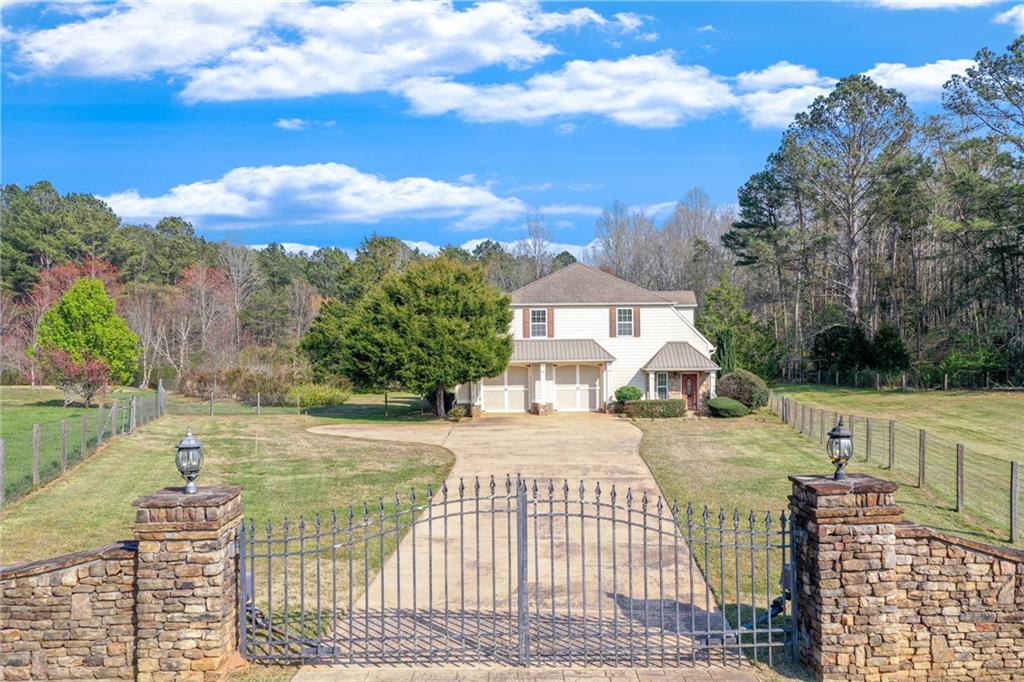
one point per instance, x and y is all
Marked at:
(853, 483)
(176, 497)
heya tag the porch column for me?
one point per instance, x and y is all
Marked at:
(541, 398)
(650, 386)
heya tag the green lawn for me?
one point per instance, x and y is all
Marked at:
(21, 407)
(988, 422)
(284, 472)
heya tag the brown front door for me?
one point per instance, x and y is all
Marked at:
(690, 385)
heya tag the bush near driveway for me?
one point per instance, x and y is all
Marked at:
(655, 409)
(745, 387)
(628, 392)
(727, 407)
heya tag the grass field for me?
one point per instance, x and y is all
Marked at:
(284, 470)
(21, 407)
(988, 422)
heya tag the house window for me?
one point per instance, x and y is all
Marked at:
(661, 385)
(624, 322)
(539, 322)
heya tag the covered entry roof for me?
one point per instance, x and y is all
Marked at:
(679, 355)
(560, 350)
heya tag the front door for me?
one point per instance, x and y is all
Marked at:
(690, 385)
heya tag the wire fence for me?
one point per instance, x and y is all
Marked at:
(31, 458)
(910, 380)
(985, 489)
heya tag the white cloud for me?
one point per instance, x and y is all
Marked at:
(319, 193)
(241, 51)
(919, 83)
(1014, 16)
(291, 123)
(654, 210)
(289, 247)
(651, 91)
(571, 209)
(781, 74)
(566, 128)
(629, 20)
(931, 4)
(767, 109)
(577, 250)
(707, 28)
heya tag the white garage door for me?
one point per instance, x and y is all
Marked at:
(577, 387)
(507, 392)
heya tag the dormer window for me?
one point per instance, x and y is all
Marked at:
(624, 322)
(538, 322)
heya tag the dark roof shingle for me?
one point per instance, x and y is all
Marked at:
(579, 283)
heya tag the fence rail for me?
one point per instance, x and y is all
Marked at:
(983, 488)
(29, 461)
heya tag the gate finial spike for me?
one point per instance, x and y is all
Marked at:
(689, 510)
(597, 491)
(582, 490)
(444, 489)
(643, 502)
(284, 528)
(721, 517)
(535, 488)
(430, 491)
(491, 485)
(334, 518)
(302, 524)
(270, 528)
(412, 495)
(565, 488)
(613, 495)
(629, 497)
(476, 486)
(736, 519)
(462, 487)
(380, 505)
(508, 484)
(768, 520)
(551, 488)
(659, 506)
(705, 515)
(675, 508)
(316, 522)
(351, 515)
(752, 521)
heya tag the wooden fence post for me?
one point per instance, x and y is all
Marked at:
(211, 403)
(258, 408)
(892, 444)
(878, 382)
(837, 378)
(63, 445)
(37, 435)
(100, 423)
(113, 417)
(945, 382)
(903, 383)
(85, 435)
(133, 416)
(1014, 502)
(3, 471)
(921, 450)
(959, 477)
(867, 442)
(298, 405)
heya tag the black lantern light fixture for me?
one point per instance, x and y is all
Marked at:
(190, 460)
(840, 448)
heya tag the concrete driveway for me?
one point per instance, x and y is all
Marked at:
(637, 579)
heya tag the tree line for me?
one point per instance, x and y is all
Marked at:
(873, 238)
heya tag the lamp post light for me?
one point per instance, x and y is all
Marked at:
(190, 460)
(840, 448)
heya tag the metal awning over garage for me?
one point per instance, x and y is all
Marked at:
(559, 350)
(677, 356)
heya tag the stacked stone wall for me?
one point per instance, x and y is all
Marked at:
(71, 617)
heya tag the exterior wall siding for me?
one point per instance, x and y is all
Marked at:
(659, 324)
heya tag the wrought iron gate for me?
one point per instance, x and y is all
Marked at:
(522, 574)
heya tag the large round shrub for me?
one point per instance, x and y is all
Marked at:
(726, 407)
(628, 392)
(744, 386)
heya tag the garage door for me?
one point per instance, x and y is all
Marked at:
(507, 392)
(577, 387)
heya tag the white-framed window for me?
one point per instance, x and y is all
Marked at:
(624, 322)
(661, 385)
(538, 322)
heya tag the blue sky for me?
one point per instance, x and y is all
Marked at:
(318, 124)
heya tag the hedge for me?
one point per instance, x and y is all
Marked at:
(628, 392)
(744, 386)
(655, 409)
(726, 407)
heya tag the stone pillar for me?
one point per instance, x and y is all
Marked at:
(186, 572)
(847, 601)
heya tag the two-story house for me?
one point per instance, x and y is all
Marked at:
(581, 333)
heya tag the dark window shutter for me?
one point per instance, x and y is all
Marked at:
(612, 322)
(636, 320)
(551, 323)
(526, 323)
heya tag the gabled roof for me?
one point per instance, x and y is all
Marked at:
(579, 283)
(680, 297)
(678, 355)
(559, 350)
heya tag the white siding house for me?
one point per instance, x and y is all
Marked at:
(581, 333)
